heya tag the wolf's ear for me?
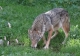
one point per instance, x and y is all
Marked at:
(39, 32)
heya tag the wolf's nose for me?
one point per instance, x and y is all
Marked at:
(34, 46)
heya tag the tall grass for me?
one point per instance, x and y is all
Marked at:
(21, 17)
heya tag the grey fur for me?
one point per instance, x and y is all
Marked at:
(54, 19)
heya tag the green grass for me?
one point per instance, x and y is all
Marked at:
(21, 18)
(27, 51)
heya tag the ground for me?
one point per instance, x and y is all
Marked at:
(21, 18)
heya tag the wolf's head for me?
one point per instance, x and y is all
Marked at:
(35, 37)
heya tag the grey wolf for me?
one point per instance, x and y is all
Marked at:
(50, 22)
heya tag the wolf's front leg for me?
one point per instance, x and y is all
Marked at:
(49, 38)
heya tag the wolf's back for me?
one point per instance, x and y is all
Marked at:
(54, 17)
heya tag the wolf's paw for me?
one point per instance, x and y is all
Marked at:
(46, 47)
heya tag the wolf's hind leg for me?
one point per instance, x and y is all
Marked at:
(56, 32)
(66, 36)
(43, 38)
(66, 31)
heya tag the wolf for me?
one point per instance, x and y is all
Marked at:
(50, 21)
